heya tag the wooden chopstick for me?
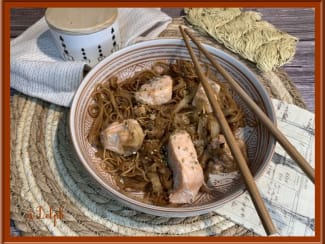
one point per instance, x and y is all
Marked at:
(248, 178)
(290, 149)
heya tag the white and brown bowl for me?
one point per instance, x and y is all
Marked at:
(123, 64)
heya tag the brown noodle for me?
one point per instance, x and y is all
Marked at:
(147, 170)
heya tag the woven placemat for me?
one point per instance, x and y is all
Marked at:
(46, 174)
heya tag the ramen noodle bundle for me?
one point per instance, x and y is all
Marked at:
(156, 134)
(245, 33)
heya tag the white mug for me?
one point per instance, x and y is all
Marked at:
(84, 34)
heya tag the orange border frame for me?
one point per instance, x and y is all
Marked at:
(5, 235)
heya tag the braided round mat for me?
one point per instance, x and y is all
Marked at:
(46, 176)
(46, 173)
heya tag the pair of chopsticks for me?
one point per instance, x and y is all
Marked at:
(243, 167)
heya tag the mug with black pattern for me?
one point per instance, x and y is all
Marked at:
(88, 42)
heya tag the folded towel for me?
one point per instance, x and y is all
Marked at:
(37, 69)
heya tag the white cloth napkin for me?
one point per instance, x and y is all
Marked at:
(36, 68)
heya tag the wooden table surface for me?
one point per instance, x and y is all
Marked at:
(298, 22)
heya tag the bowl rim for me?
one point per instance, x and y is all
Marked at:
(160, 210)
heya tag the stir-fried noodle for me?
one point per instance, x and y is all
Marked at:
(147, 170)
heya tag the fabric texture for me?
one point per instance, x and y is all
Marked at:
(36, 68)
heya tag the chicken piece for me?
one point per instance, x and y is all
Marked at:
(124, 138)
(158, 91)
(187, 172)
(201, 100)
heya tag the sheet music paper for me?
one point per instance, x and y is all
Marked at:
(288, 193)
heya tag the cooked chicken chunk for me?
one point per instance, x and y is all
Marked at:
(187, 172)
(201, 100)
(124, 138)
(158, 91)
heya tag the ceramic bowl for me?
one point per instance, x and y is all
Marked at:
(123, 64)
